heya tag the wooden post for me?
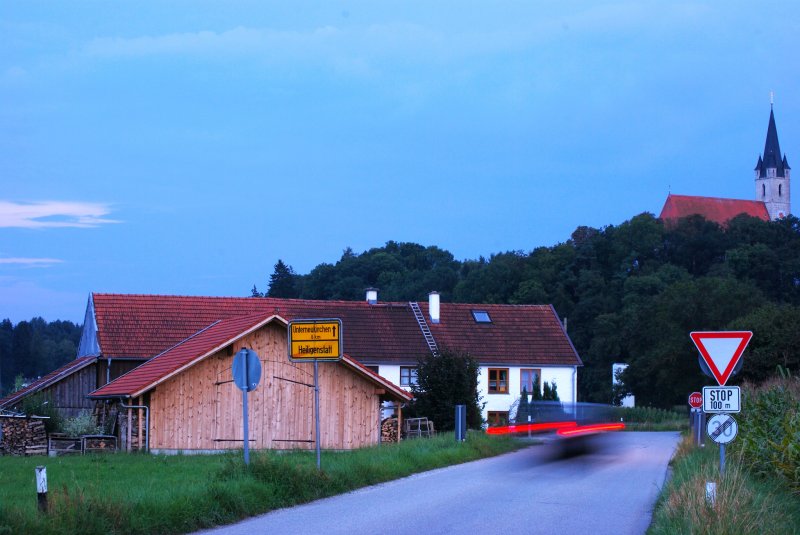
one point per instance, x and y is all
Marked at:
(399, 420)
(139, 414)
(130, 430)
(41, 488)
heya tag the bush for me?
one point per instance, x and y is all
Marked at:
(83, 424)
(41, 405)
(444, 381)
(769, 429)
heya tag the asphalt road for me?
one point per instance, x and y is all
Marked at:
(610, 490)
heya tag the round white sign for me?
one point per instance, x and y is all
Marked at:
(722, 428)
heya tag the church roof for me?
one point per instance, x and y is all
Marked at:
(772, 152)
(712, 208)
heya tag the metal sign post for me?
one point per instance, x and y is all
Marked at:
(722, 429)
(316, 411)
(315, 340)
(246, 375)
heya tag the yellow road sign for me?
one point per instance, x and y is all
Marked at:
(315, 339)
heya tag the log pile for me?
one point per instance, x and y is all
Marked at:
(122, 425)
(22, 436)
(389, 430)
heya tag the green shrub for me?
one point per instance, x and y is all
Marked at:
(769, 429)
(83, 424)
(41, 405)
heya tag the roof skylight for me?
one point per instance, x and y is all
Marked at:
(481, 316)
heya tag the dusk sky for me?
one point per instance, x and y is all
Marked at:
(184, 147)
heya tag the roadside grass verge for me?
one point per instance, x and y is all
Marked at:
(652, 419)
(745, 503)
(133, 494)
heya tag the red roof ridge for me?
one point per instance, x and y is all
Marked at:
(248, 298)
(710, 198)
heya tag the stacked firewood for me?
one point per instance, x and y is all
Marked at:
(23, 436)
(389, 430)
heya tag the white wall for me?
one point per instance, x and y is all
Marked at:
(563, 376)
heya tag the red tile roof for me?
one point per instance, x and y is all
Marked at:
(146, 325)
(43, 382)
(712, 208)
(206, 341)
(517, 334)
(203, 344)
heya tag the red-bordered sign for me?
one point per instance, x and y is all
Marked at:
(721, 350)
(696, 400)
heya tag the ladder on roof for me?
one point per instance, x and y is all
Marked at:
(423, 326)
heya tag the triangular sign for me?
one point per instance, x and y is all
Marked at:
(721, 350)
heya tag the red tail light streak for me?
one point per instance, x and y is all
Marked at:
(590, 429)
(563, 429)
(524, 428)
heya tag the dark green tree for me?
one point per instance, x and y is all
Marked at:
(444, 381)
(524, 408)
(282, 281)
(776, 341)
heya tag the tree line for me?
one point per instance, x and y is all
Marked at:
(629, 293)
(31, 349)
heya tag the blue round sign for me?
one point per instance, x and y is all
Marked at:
(246, 370)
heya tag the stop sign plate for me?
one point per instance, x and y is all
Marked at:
(696, 400)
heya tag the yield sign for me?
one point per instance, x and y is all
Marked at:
(721, 350)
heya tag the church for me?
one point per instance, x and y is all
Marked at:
(772, 192)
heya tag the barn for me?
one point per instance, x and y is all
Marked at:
(193, 405)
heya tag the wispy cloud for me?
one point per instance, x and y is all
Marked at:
(31, 262)
(53, 214)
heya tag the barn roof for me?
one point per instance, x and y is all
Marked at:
(146, 325)
(43, 382)
(202, 344)
(712, 208)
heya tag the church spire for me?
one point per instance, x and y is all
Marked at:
(772, 158)
(772, 173)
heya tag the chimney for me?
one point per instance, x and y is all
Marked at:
(433, 306)
(372, 296)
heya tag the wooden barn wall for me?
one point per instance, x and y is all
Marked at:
(201, 408)
(69, 394)
(118, 367)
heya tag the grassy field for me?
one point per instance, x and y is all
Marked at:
(118, 493)
(745, 503)
(652, 419)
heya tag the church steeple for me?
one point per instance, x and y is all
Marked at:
(772, 174)
(772, 152)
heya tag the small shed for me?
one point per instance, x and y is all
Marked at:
(193, 404)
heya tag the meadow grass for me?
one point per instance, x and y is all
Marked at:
(140, 493)
(652, 419)
(745, 503)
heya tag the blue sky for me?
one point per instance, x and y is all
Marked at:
(184, 147)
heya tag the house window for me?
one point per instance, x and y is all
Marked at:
(408, 375)
(497, 418)
(530, 380)
(498, 380)
(481, 316)
(780, 187)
